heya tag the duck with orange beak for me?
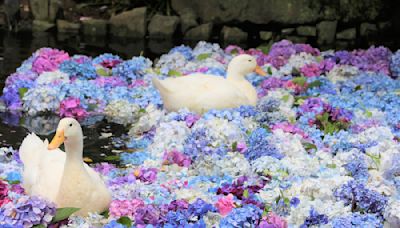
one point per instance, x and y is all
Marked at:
(63, 177)
(202, 92)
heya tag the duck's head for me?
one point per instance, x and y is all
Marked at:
(244, 64)
(68, 130)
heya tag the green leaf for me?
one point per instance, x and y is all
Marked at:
(246, 193)
(359, 87)
(102, 72)
(269, 70)
(106, 214)
(331, 166)
(265, 48)
(64, 213)
(286, 201)
(316, 83)
(368, 114)
(309, 146)
(39, 226)
(125, 221)
(234, 146)
(112, 158)
(285, 98)
(301, 81)
(14, 182)
(174, 73)
(22, 92)
(142, 110)
(203, 56)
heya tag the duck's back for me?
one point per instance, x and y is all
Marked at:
(200, 92)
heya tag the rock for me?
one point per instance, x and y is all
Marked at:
(367, 29)
(163, 26)
(64, 26)
(42, 26)
(287, 31)
(254, 11)
(95, 27)
(306, 31)
(265, 35)
(360, 10)
(54, 7)
(348, 34)
(384, 25)
(40, 9)
(326, 32)
(233, 34)
(201, 32)
(296, 39)
(45, 10)
(129, 24)
(188, 20)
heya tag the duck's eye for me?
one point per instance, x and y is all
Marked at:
(249, 60)
(70, 124)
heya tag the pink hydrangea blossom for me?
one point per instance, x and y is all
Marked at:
(234, 49)
(191, 120)
(137, 83)
(289, 128)
(241, 147)
(119, 208)
(71, 107)
(48, 60)
(109, 81)
(176, 157)
(311, 70)
(225, 204)
(3, 193)
(273, 221)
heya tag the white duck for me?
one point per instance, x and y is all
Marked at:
(63, 178)
(201, 92)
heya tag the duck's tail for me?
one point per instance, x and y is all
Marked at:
(159, 85)
(31, 149)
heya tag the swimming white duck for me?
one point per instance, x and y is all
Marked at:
(63, 178)
(201, 92)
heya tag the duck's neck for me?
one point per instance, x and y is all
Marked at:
(235, 75)
(74, 150)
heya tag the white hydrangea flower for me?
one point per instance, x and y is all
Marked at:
(287, 143)
(53, 76)
(342, 73)
(42, 99)
(170, 135)
(221, 131)
(147, 121)
(122, 112)
(392, 213)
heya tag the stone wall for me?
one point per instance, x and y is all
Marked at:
(326, 23)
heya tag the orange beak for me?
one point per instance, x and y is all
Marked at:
(260, 71)
(57, 140)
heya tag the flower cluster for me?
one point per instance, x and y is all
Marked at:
(320, 148)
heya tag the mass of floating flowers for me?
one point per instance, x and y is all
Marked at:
(320, 148)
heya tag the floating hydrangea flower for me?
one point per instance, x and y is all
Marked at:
(70, 107)
(48, 59)
(132, 69)
(3, 193)
(27, 211)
